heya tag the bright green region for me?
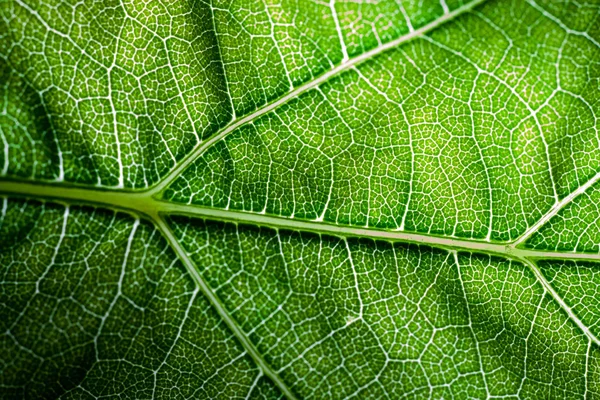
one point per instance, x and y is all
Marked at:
(450, 134)
(120, 91)
(575, 228)
(270, 47)
(96, 304)
(339, 318)
(366, 25)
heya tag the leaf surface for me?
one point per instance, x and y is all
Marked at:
(233, 199)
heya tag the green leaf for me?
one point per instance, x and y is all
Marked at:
(239, 199)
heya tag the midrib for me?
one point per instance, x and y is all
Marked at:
(143, 204)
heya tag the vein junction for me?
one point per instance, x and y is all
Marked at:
(488, 82)
(147, 205)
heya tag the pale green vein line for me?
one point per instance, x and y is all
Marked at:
(542, 279)
(587, 369)
(555, 255)
(338, 29)
(141, 203)
(216, 303)
(331, 229)
(561, 24)
(507, 250)
(556, 208)
(303, 88)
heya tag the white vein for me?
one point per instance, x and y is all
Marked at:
(550, 290)
(338, 29)
(556, 208)
(236, 123)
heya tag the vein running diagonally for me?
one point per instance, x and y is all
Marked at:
(113, 109)
(236, 123)
(544, 282)
(561, 24)
(221, 310)
(338, 29)
(556, 208)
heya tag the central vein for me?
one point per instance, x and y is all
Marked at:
(145, 205)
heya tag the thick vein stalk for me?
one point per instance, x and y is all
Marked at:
(145, 205)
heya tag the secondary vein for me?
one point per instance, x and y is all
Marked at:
(550, 290)
(221, 310)
(559, 205)
(351, 62)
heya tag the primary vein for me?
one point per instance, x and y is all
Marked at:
(142, 203)
(145, 205)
